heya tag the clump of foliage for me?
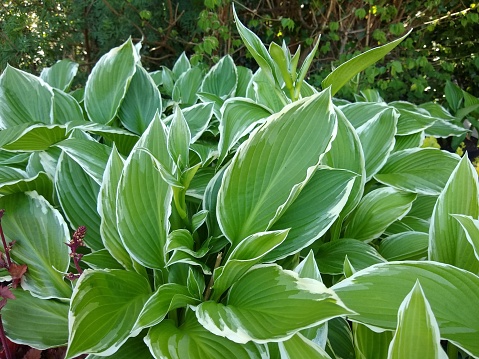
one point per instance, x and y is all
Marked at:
(221, 213)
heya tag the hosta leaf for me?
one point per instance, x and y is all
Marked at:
(103, 310)
(419, 170)
(25, 99)
(265, 94)
(244, 77)
(346, 152)
(454, 96)
(377, 140)
(369, 344)
(41, 183)
(144, 199)
(107, 84)
(40, 234)
(340, 339)
(90, 155)
(124, 140)
(442, 128)
(408, 141)
(423, 206)
(36, 137)
(192, 341)
(179, 137)
(252, 314)
(187, 86)
(376, 211)
(346, 71)
(244, 256)
(359, 113)
(61, 74)
(412, 120)
(265, 176)
(239, 117)
(168, 297)
(221, 79)
(198, 118)
(308, 268)
(141, 102)
(452, 293)
(257, 49)
(330, 256)
(314, 211)
(65, 108)
(417, 334)
(182, 240)
(298, 346)
(78, 196)
(132, 348)
(181, 65)
(101, 259)
(471, 228)
(26, 318)
(405, 245)
(447, 241)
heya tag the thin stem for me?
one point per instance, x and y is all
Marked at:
(4, 340)
(4, 242)
(212, 279)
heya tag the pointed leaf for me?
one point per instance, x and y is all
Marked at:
(298, 346)
(452, 293)
(447, 241)
(179, 137)
(61, 74)
(376, 211)
(187, 86)
(377, 140)
(471, 228)
(37, 137)
(181, 65)
(66, 108)
(314, 211)
(250, 313)
(221, 79)
(141, 102)
(347, 153)
(282, 167)
(20, 314)
(41, 183)
(419, 170)
(40, 234)
(102, 315)
(107, 84)
(239, 117)
(25, 99)
(417, 334)
(168, 297)
(454, 96)
(144, 199)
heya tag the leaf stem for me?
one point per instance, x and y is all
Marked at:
(212, 279)
(4, 242)
(452, 352)
(4, 340)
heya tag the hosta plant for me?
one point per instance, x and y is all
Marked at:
(228, 214)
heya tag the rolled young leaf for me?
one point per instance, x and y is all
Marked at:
(417, 334)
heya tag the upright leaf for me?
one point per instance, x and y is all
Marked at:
(471, 228)
(25, 98)
(447, 241)
(60, 75)
(342, 74)
(271, 168)
(40, 234)
(417, 334)
(452, 293)
(141, 102)
(221, 79)
(369, 344)
(107, 84)
(144, 199)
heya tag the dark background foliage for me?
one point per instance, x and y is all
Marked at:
(443, 45)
